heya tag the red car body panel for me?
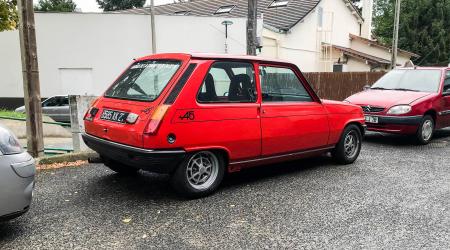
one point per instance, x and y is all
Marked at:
(248, 133)
(435, 104)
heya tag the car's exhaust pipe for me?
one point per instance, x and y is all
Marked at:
(95, 160)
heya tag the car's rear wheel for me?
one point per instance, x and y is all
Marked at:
(425, 131)
(119, 168)
(349, 146)
(199, 175)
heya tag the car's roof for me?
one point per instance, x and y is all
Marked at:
(210, 56)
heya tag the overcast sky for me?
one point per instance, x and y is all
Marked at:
(91, 5)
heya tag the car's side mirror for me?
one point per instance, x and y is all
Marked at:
(366, 87)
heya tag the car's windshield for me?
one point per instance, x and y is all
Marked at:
(410, 80)
(144, 80)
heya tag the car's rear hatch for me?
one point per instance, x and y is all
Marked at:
(119, 102)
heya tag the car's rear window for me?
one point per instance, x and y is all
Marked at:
(423, 80)
(144, 80)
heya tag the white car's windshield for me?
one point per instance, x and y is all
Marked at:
(425, 80)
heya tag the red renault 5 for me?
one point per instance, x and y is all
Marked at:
(199, 116)
(411, 101)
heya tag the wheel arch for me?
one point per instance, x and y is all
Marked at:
(433, 114)
(358, 124)
(224, 152)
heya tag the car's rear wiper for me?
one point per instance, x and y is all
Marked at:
(403, 89)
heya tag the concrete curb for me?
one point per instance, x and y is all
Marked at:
(72, 157)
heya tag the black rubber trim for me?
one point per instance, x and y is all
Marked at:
(399, 120)
(14, 215)
(158, 161)
(180, 84)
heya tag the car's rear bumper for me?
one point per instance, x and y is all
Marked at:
(158, 161)
(396, 124)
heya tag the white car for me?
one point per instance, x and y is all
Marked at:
(17, 171)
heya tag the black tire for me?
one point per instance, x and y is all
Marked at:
(343, 156)
(191, 166)
(423, 136)
(119, 168)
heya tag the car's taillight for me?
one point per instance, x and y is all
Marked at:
(90, 114)
(156, 119)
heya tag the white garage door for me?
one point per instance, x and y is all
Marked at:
(76, 81)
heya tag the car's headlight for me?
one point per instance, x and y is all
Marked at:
(399, 110)
(8, 143)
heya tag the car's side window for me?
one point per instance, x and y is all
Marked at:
(50, 102)
(228, 82)
(280, 84)
(65, 101)
(447, 82)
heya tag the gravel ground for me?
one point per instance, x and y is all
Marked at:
(395, 196)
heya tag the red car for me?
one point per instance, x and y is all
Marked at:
(410, 101)
(199, 116)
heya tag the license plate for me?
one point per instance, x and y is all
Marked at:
(114, 116)
(371, 119)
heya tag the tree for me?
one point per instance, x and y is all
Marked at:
(424, 28)
(8, 15)
(111, 5)
(56, 5)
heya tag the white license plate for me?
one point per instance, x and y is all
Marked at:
(115, 116)
(371, 119)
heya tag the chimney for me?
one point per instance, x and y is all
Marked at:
(367, 11)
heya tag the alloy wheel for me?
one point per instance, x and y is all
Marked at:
(202, 170)
(427, 130)
(351, 144)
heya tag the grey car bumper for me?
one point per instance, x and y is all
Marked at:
(16, 184)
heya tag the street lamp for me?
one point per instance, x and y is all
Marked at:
(226, 24)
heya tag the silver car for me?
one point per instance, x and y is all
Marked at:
(56, 107)
(17, 171)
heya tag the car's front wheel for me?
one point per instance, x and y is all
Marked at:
(426, 130)
(199, 175)
(349, 146)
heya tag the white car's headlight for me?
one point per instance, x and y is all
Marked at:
(8, 143)
(399, 110)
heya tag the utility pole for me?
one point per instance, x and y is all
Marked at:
(152, 20)
(251, 27)
(395, 36)
(30, 72)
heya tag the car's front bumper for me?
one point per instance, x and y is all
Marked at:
(158, 161)
(16, 184)
(395, 124)
(14, 215)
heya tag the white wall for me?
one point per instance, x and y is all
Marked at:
(302, 45)
(379, 52)
(200, 34)
(357, 65)
(95, 48)
(10, 65)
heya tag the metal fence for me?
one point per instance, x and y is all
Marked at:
(338, 86)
